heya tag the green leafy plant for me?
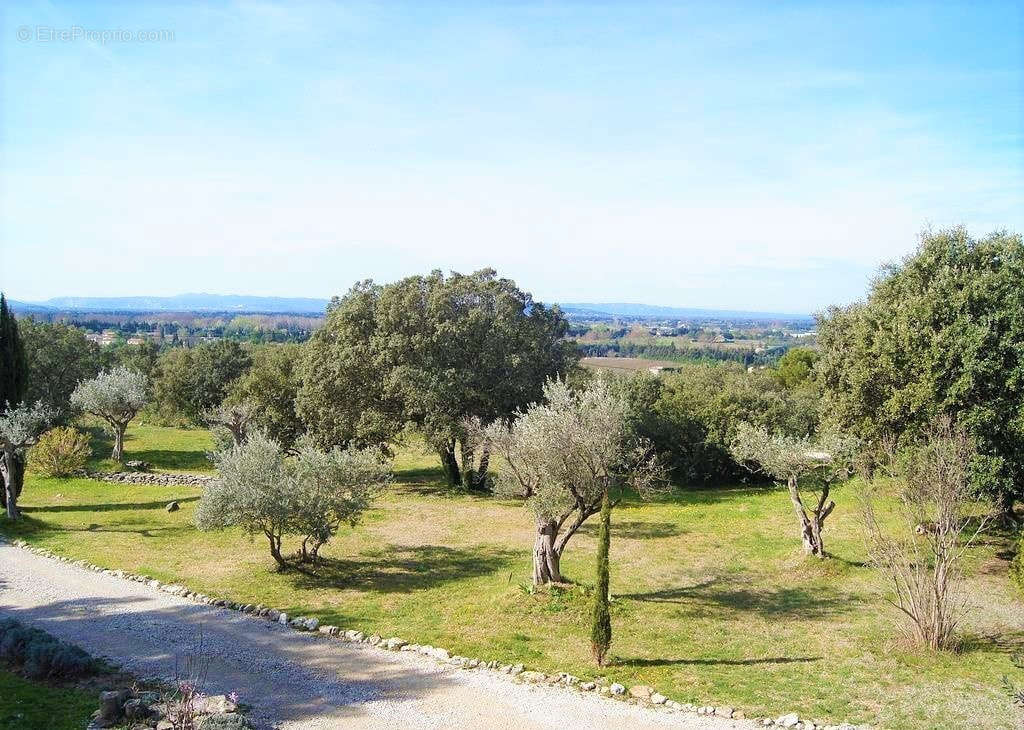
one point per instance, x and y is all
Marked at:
(60, 452)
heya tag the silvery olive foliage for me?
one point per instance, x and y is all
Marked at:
(805, 465)
(20, 428)
(562, 455)
(333, 488)
(116, 396)
(263, 491)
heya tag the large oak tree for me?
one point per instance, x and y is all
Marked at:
(433, 351)
(941, 333)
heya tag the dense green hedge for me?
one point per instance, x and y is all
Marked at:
(40, 656)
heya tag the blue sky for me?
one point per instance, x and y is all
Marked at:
(738, 155)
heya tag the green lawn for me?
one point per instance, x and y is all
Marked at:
(167, 449)
(714, 602)
(26, 705)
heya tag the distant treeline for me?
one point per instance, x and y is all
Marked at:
(624, 348)
(172, 328)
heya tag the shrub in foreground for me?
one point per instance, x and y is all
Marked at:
(59, 452)
(41, 656)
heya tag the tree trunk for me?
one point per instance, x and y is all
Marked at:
(1004, 508)
(468, 468)
(485, 462)
(237, 433)
(810, 524)
(118, 453)
(12, 471)
(275, 549)
(545, 557)
(450, 464)
(810, 529)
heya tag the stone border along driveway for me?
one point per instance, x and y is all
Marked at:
(638, 694)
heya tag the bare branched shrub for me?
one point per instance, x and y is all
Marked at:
(182, 703)
(922, 560)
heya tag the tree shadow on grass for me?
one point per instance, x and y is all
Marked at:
(710, 662)
(402, 569)
(111, 506)
(1009, 642)
(700, 495)
(732, 596)
(633, 530)
(28, 526)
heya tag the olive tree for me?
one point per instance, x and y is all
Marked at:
(333, 488)
(251, 492)
(233, 417)
(20, 428)
(562, 455)
(264, 491)
(116, 396)
(806, 467)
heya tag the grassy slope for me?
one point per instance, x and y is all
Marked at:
(714, 603)
(26, 705)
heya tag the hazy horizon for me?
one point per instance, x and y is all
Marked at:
(736, 156)
(62, 302)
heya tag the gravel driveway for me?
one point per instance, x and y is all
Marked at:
(292, 679)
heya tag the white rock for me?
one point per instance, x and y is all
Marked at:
(658, 699)
(283, 619)
(790, 720)
(617, 689)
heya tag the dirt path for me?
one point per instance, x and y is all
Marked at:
(294, 679)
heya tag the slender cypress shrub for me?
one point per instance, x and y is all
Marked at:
(13, 384)
(601, 625)
(13, 365)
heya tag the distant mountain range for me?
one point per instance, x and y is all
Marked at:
(302, 305)
(179, 303)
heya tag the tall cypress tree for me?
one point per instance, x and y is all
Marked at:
(601, 625)
(13, 383)
(13, 365)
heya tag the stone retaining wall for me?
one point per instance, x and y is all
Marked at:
(157, 479)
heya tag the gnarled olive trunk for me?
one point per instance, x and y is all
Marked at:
(275, 549)
(812, 521)
(118, 453)
(450, 464)
(473, 476)
(546, 557)
(12, 473)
